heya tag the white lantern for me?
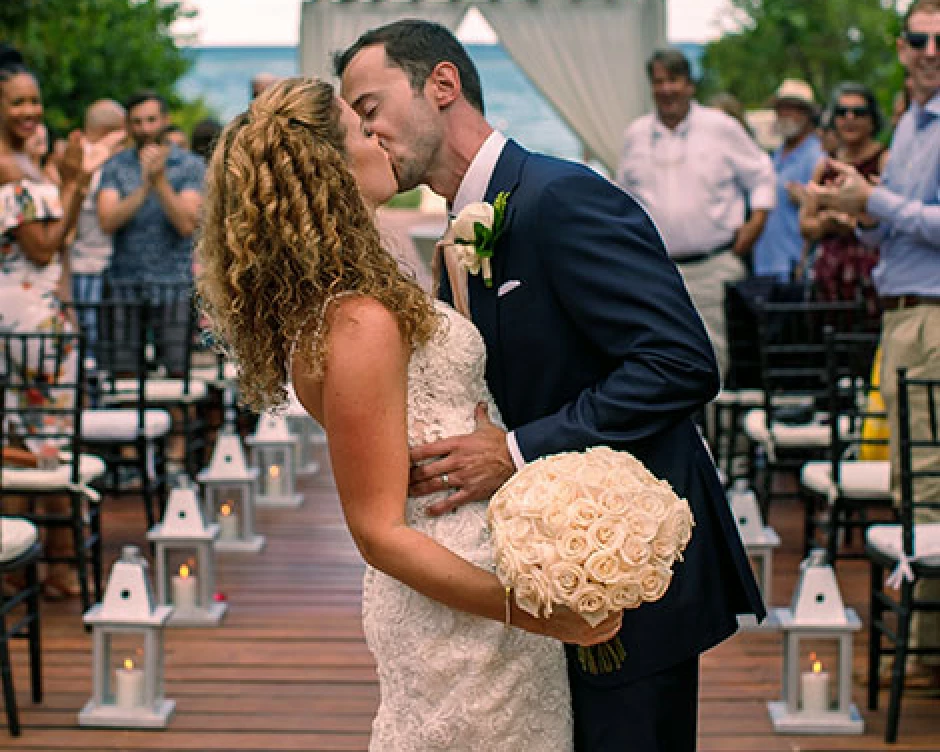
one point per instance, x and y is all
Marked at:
(230, 489)
(185, 564)
(272, 453)
(759, 541)
(127, 651)
(817, 682)
(303, 428)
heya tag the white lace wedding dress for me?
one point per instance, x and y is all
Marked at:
(451, 681)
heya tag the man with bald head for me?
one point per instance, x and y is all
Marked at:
(90, 252)
(261, 82)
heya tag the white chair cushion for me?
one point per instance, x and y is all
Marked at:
(887, 540)
(158, 390)
(859, 479)
(814, 434)
(121, 425)
(23, 479)
(210, 374)
(16, 536)
(742, 397)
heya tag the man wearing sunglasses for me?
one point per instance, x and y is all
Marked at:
(902, 216)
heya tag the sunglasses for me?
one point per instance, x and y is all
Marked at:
(917, 40)
(858, 112)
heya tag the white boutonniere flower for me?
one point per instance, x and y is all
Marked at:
(473, 235)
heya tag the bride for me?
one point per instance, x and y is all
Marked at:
(296, 283)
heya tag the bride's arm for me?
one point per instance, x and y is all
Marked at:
(362, 405)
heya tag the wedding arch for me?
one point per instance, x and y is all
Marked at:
(586, 57)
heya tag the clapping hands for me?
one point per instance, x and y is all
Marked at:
(153, 162)
(848, 194)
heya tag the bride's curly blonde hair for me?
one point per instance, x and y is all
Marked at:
(285, 230)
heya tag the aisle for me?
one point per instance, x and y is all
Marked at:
(288, 669)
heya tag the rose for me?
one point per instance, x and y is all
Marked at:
(590, 475)
(573, 545)
(654, 581)
(533, 593)
(518, 529)
(553, 521)
(606, 533)
(508, 564)
(664, 548)
(603, 566)
(641, 526)
(592, 604)
(566, 579)
(627, 592)
(583, 512)
(613, 501)
(684, 522)
(462, 227)
(635, 553)
(652, 502)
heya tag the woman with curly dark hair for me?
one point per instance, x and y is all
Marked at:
(297, 284)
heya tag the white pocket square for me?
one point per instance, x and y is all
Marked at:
(507, 287)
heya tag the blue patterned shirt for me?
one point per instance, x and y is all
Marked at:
(780, 245)
(907, 205)
(148, 247)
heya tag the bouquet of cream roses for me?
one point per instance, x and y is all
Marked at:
(594, 531)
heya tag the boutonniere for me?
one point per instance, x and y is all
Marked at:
(473, 235)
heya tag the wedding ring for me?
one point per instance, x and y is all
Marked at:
(445, 480)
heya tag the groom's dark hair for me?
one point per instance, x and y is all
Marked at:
(416, 47)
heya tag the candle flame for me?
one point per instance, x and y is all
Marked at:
(274, 471)
(225, 509)
(817, 667)
(128, 664)
(184, 571)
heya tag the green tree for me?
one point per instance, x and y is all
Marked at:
(823, 42)
(83, 50)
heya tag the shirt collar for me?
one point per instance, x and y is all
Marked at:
(477, 177)
(659, 129)
(926, 113)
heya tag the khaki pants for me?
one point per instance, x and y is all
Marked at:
(705, 281)
(911, 339)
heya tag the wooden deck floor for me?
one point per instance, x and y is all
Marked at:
(288, 668)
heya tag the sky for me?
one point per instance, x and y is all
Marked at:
(277, 22)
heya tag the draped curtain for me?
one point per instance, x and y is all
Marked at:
(586, 57)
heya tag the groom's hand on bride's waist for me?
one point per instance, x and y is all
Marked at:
(472, 467)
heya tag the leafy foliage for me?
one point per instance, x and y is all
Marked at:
(83, 50)
(823, 42)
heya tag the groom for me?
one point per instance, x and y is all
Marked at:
(591, 339)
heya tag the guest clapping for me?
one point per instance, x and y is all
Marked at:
(843, 265)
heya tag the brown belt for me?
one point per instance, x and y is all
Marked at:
(900, 302)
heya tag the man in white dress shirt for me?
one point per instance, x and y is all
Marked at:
(698, 172)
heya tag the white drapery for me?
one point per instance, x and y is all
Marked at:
(586, 57)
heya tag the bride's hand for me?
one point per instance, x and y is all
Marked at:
(567, 626)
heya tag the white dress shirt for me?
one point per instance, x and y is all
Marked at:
(477, 177)
(473, 188)
(693, 180)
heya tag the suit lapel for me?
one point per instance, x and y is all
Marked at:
(484, 301)
(506, 177)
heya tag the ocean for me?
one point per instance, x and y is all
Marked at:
(222, 76)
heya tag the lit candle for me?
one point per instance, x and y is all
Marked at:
(228, 522)
(814, 688)
(275, 481)
(184, 590)
(129, 686)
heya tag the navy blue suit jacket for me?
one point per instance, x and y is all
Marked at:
(600, 344)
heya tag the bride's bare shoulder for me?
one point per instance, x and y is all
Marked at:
(360, 319)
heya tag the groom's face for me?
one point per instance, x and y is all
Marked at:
(404, 120)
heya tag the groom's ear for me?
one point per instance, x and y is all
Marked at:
(443, 85)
